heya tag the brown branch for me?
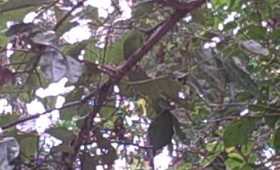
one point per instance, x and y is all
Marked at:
(52, 4)
(102, 92)
(155, 37)
(123, 69)
(35, 116)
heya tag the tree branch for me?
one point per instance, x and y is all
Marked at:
(122, 70)
(60, 22)
(155, 37)
(35, 116)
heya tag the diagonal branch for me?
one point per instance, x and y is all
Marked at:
(60, 22)
(122, 70)
(153, 39)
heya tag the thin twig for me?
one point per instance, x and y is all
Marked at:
(25, 119)
(60, 22)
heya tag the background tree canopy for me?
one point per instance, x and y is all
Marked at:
(83, 87)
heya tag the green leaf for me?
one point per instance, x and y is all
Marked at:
(208, 160)
(238, 132)
(275, 36)
(231, 4)
(123, 47)
(18, 4)
(242, 78)
(256, 32)
(247, 149)
(92, 52)
(160, 131)
(75, 49)
(271, 120)
(23, 60)
(19, 57)
(13, 16)
(151, 88)
(108, 113)
(80, 110)
(220, 2)
(61, 133)
(215, 149)
(142, 9)
(28, 145)
(276, 139)
(234, 163)
(3, 39)
(246, 167)
(133, 41)
(7, 118)
(185, 166)
(114, 52)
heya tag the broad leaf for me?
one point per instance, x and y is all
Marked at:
(133, 41)
(28, 145)
(256, 32)
(238, 132)
(78, 111)
(255, 47)
(160, 131)
(152, 88)
(8, 118)
(75, 49)
(234, 162)
(61, 133)
(55, 66)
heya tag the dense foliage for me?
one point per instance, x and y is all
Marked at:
(197, 78)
